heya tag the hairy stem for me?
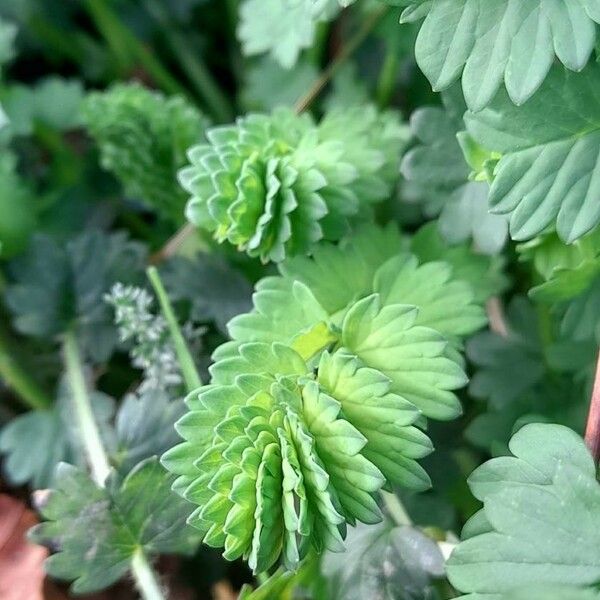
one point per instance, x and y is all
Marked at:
(592, 430)
(353, 44)
(18, 378)
(197, 72)
(184, 356)
(97, 457)
(145, 577)
(82, 410)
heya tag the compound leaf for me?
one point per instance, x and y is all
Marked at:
(549, 172)
(495, 42)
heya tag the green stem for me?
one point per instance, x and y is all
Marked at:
(262, 578)
(186, 362)
(145, 577)
(82, 410)
(18, 378)
(127, 49)
(396, 509)
(197, 72)
(141, 569)
(353, 44)
(386, 84)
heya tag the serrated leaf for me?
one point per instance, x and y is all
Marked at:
(34, 443)
(54, 101)
(514, 540)
(58, 286)
(143, 137)
(384, 562)
(484, 274)
(281, 27)
(548, 170)
(438, 177)
(386, 338)
(145, 427)
(494, 42)
(98, 531)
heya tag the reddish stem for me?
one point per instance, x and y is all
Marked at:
(592, 430)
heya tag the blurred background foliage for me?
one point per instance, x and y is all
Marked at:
(82, 206)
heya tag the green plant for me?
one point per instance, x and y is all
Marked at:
(315, 350)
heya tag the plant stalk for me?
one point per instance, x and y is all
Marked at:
(184, 356)
(89, 433)
(145, 577)
(496, 318)
(387, 78)
(396, 509)
(592, 430)
(353, 44)
(18, 379)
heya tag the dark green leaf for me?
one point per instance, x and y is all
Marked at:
(97, 531)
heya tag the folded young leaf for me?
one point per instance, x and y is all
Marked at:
(496, 42)
(97, 530)
(523, 535)
(274, 185)
(568, 271)
(312, 406)
(549, 169)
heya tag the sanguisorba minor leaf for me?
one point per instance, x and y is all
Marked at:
(312, 406)
(494, 42)
(539, 522)
(549, 171)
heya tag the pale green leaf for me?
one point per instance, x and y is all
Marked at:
(524, 534)
(549, 172)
